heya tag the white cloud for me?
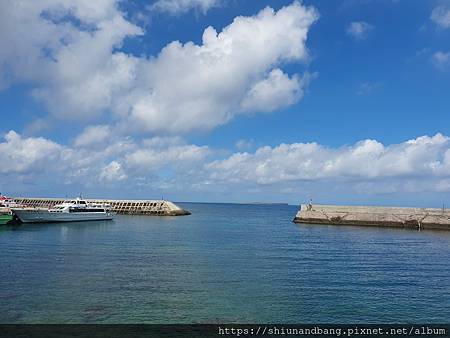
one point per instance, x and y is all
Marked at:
(119, 159)
(176, 7)
(93, 135)
(211, 82)
(441, 16)
(441, 59)
(65, 49)
(40, 160)
(417, 165)
(181, 155)
(359, 30)
(26, 155)
(85, 98)
(113, 172)
(364, 161)
(275, 91)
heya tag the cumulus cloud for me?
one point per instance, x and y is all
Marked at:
(211, 80)
(275, 91)
(441, 59)
(37, 159)
(181, 155)
(176, 7)
(359, 30)
(421, 164)
(20, 155)
(366, 160)
(121, 158)
(112, 172)
(45, 43)
(93, 135)
(185, 87)
(441, 16)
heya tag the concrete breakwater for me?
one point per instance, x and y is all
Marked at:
(415, 218)
(129, 207)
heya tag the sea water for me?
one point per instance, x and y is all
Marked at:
(224, 263)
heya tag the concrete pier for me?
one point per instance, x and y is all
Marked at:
(415, 218)
(129, 207)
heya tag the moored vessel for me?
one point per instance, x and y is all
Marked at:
(5, 218)
(6, 203)
(69, 211)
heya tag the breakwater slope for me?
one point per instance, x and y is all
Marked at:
(130, 207)
(416, 218)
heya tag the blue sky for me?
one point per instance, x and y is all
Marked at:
(339, 101)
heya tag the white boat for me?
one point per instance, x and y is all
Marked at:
(8, 202)
(69, 211)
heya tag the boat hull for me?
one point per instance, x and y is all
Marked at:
(32, 215)
(5, 219)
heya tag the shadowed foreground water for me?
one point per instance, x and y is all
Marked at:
(224, 263)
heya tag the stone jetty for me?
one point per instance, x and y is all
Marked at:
(415, 218)
(129, 207)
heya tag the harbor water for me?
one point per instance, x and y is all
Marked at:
(224, 263)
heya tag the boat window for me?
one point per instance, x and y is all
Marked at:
(86, 210)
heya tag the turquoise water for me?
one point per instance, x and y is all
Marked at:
(224, 263)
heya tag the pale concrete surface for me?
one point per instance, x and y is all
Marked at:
(130, 207)
(419, 218)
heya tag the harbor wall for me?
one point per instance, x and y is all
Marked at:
(128, 207)
(415, 218)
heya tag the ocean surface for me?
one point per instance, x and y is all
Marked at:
(224, 263)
